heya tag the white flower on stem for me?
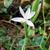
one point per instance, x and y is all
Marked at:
(26, 17)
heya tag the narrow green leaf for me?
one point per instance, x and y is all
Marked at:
(35, 5)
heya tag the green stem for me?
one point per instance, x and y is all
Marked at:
(25, 29)
(25, 39)
(43, 16)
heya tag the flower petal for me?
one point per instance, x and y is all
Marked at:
(21, 11)
(31, 14)
(18, 19)
(30, 23)
(27, 13)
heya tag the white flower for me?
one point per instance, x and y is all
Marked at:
(26, 17)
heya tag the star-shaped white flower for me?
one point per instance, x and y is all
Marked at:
(26, 17)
